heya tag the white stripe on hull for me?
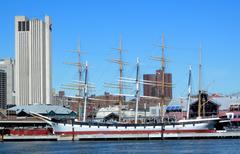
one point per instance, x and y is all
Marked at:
(60, 127)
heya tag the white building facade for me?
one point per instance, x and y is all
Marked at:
(33, 61)
(7, 68)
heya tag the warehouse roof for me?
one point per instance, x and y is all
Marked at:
(41, 109)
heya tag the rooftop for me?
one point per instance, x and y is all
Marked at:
(41, 109)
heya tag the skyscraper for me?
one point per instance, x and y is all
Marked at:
(33, 60)
(3, 89)
(7, 82)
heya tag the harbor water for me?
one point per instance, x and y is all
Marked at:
(210, 146)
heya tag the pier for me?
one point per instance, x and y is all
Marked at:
(119, 137)
(220, 135)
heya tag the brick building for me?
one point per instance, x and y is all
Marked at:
(105, 100)
(156, 90)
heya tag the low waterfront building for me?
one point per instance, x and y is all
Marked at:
(3, 114)
(216, 105)
(128, 115)
(105, 100)
(60, 99)
(53, 111)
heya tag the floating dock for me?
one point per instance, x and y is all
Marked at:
(218, 135)
(103, 137)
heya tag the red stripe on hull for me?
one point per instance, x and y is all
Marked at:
(135, 132)
(30, 132)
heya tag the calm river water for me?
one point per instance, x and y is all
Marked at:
(225, 146)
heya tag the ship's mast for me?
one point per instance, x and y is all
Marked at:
(79, 68)
(120, 81)
(79, 77)
(137, 95)
(85, 92)
(163, 78)
(189, 90)
(120, 62)
(200, 83)
(162, 67)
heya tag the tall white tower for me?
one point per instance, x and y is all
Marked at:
(33, 61)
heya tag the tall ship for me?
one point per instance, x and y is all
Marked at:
(119, 129)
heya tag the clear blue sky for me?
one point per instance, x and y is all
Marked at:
(186, 24)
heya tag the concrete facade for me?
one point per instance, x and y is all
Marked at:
(7, 68)
(33, 60)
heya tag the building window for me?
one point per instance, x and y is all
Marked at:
(50, 27)
(19, 26)
(27, 25)
(23, 26)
